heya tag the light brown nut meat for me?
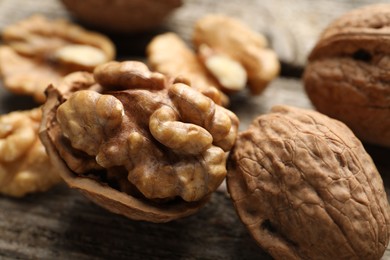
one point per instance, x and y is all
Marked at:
(169, 54)
(39, 51)
(347, 72)
(306, 189)
(142, 146)
(231, 37)
(24, 165)
(229, 73)
(122, 16)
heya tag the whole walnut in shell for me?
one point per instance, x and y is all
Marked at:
(305, 188)
(122, 16)
(138, 143)
(347, 74)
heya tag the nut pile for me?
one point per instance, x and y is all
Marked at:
(155, 144)
(144, 135)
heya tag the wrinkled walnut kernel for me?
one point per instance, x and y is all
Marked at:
(38, 52)
(24, 165)
(231, 37)
(142, 133)
(169, 54)
(306, 189)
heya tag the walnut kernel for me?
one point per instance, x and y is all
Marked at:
(229, 36)
(24, 165)
(163, 56)
(39, 51)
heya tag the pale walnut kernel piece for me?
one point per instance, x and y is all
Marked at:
(168, 54)
(22, 75)
(38, 51)
(24, 165)
(230, 74)
(306, 189)
(347, 75)
(137, 142)
(231, 37)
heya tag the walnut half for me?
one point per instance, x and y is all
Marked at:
(306, 189)
(136, 142)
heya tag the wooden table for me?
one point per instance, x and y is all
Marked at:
(62, 224)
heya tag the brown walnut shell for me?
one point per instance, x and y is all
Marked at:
(305, 188)
(347, 75)
(122, 16)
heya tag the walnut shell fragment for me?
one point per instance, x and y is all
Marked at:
(24, 165)
(38, 51)
(347, 74)
(305, 188)
(138, 143)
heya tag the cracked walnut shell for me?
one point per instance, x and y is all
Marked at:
(305, 188)
(24, 165)
(138, 143)
(347, 75)
(38, 51)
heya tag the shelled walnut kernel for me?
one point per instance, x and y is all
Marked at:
(24, 165)
(38, 51)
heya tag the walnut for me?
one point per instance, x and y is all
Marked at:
(306, 189)
(122, 16)
(137, 142)
(347, 72)
(24, 165)
(229, 37)
(39, 51)
(169, 54)
(229, 56)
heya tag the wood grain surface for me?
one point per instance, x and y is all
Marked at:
(62, 224)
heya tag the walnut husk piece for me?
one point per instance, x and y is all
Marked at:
(305, 188)
(347, 72)
(38, 51)
(138, 143)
